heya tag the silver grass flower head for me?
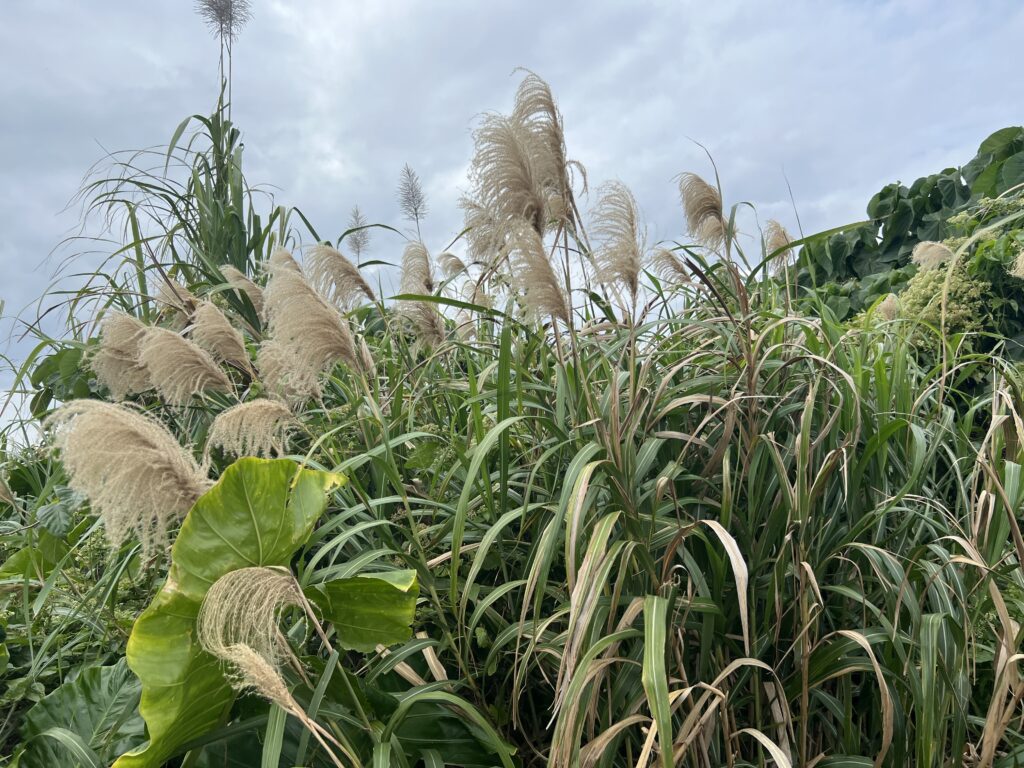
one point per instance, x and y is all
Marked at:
(256, 428)
(116, 361)
(889, 307)
(777, 241)
(1017, 270)
(451, 265)
(300, 319)
(535, 109)
(702, 204)
(928, 254)
(359, 239)
(225, 18)
(212, 331)
(534, 275)
(513, 174)
(178, 368)
(243, 610)
(411, 198)
(284, 375)
(366, 360)
(337, 278)
(178, 300)
(485, 235)
(241, 283)
(667, 264)
(620, 236)
(418, 278)
(130, 467)
(281, 258)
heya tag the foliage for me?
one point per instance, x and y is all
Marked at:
(850, 269)
(686, 524)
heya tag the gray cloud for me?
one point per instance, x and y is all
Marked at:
(838, 97)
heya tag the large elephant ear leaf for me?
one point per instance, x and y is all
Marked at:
(92, 717)
(258, 514)
(369, 610)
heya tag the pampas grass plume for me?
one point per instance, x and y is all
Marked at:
(337, 278)
(178, 368)
(213, 332)
(241, 283)
(535, 276)
(620, 236)
(702, 204)
(300, 319)
(132, 469)
(116, 362)
(256, 428)
(928, 254)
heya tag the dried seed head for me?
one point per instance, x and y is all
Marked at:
(256, 428)
(928, 254)
(702, 204)
(284, 375)
(536, 110)
(116, 361)
(667, 264)
(418, 278)
(366, 357)
(621, 239)
(213, 332)
(1018, 266)
(889, 307)
(411, 198)
(242, 610)
(337, 278)
(178, 368)
(359, 240)
(178, 300)
(776, 241)
(237, 280)
(535, 276)
(225, 18)
(485, 234)
(451, 265)
(300, 319)
(512, 173)
(135, 474)
(282, 259)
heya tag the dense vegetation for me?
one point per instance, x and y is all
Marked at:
(567, 499)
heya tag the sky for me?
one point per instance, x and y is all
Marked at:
(834, 98)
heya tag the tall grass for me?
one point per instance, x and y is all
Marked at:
(662, 518)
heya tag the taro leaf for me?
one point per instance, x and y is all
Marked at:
(258, 514)
(98, 707)
(369, 610)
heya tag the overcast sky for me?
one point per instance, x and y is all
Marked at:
(334, 96)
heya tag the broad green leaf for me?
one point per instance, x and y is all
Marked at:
(96, 713)
(369, 610)
(258, 514)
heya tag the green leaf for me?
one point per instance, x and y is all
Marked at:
(369, 610)
(258, 514)
(655, 676)
(96, 713)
